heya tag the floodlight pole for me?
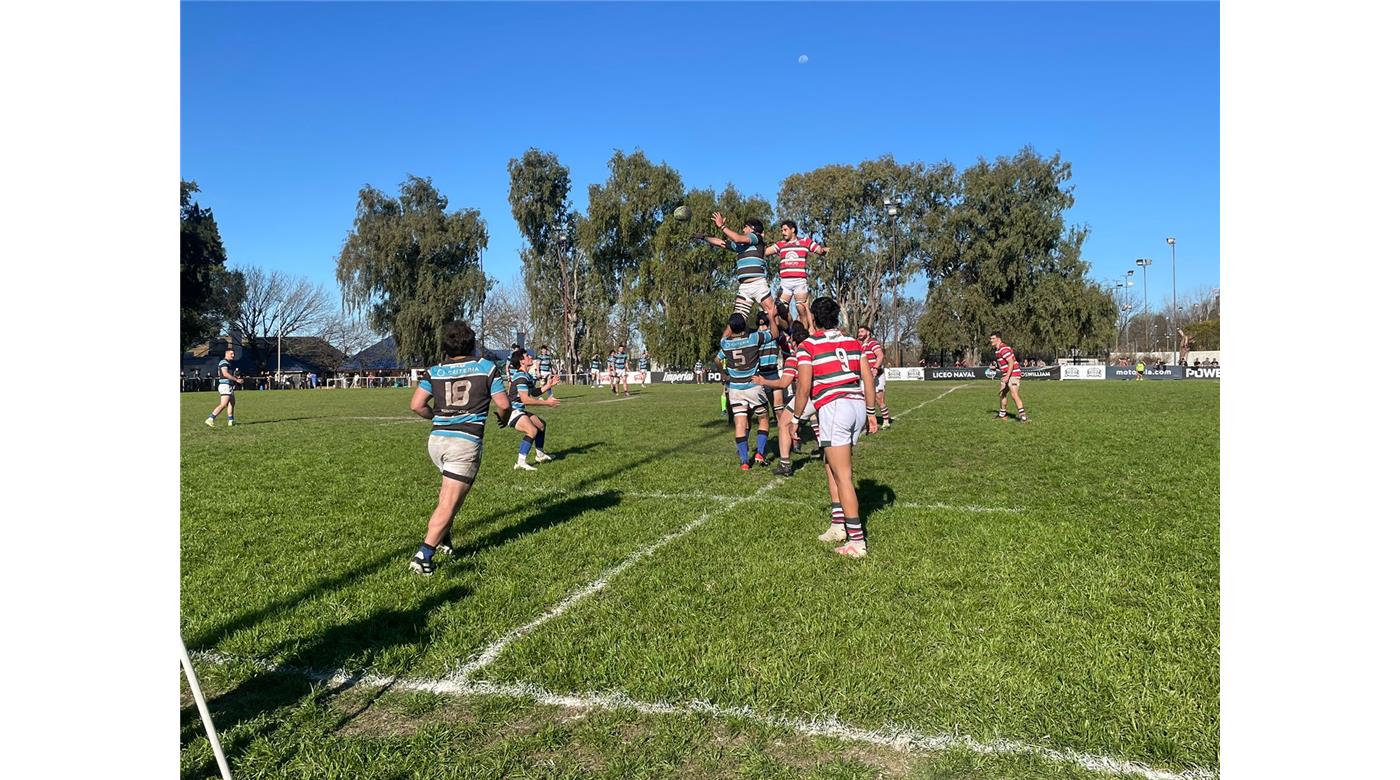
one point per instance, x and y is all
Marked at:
(279, 357)
(1176, 344)
(1146, 307)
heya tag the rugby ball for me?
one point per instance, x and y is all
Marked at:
(681, 213)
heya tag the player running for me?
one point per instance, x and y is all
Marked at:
(739, 351)
(521, 393)
(455, 396)
(1010, 370)
(876, 355)
(617, 369)
(752, 268)
(792, 267)
(226, 383)
(833, 372)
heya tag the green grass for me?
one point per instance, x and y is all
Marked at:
(1087, 620)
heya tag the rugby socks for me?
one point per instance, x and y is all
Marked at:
(838, 515)
(539, 440)
(425, 552)
(762, 446)
(742, 443)
(854, 531)
(884, 413)
(525, 446)
(786, 463)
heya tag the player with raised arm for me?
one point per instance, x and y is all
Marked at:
(876, 355)
(739, 351)
(752, 268)
(455, 396)
(226, 382)
(522, 392)
(792, 253)
(834, 374)
(1010, 370)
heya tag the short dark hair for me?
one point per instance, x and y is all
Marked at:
(738, 323)
(788, 223)
(798, 333)
(827, 312)
(516, 357)
(866, 328)
(458, 338)
(996, 334)
(756, 224)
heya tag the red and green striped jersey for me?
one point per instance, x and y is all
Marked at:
(835, 361)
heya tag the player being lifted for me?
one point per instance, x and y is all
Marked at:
(834, 374)
(617, 369)
(752, 269)
(876, 355)
(1010, 370)
(739, 353)
(521, 393)
(455, 396)
(792, 255)
(226, 383)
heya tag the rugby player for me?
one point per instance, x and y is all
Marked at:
(876, 355)
(752, 269)
(833, 372)
(226, 383)
(521, 393)
(617, 369)
(596, 367)
(787, 418)
(1010, 370)
(792, 267)
(699, 372)
(644, 362)
(770, 363)
(545, 360)
(739, 351)
(455, 397)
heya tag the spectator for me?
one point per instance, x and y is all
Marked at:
(1196, 364)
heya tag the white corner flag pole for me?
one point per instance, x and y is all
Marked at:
(204, 711)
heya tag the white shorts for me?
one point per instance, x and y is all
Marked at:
(792, 287)
(226, 388)
(841, 421)
(806, 412)
(880, 383)
(750, 399)
(755, 290)
(457, 458)
(515, 415)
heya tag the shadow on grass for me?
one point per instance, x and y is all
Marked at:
(546, 517)
(575, 450)
(286, 419)
(356, 644)
(872, 497)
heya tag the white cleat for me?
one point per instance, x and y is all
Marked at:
(835, 533)
(541, 457)
(209, 421)
(520, 464)
(852, 550)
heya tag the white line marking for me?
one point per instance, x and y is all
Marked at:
(723, 497)
(964, 508)
(493, 651)
(895, 737)
(929, 401)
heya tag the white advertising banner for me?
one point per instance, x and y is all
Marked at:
(903, 374)
(1082, 372)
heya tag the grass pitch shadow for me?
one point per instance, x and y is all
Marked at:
(577, 449)
(872, 496)
(546, 517)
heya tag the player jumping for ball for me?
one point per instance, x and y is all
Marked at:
(792, 255)
(455, 396)
(1010, 370)
(521, 393)
(752, 269)
(226, 383)
(876, 355)
(834, 374)
(747, 399)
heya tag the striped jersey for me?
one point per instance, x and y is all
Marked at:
(1005, 357)
(223, 380)
(546, 362)
(792, 257)
(596, 365)
(619, 361)
(643, 363)
(751, 263)
(874, 354)
(461, 396)
(521, 383)
(699, 366)
(740, 354)
(768, 359)
(835, 361)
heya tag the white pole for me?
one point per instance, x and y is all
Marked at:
(204, 712)
(279, 358)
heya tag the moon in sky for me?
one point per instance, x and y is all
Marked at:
(802, 60)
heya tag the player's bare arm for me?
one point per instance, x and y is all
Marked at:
(419, 403)
(804, 386)
(867, 383)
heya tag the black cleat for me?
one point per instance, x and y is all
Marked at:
(421, 565)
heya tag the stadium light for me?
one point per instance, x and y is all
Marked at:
(1146, 307)
(1171, 242)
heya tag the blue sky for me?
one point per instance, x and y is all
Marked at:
(288, 109)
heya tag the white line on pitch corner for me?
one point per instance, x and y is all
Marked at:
(894, 737)
(929, 401)
(493, 651)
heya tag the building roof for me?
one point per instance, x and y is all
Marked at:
(300, 354)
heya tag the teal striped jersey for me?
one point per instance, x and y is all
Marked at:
(751, 263)
(643, 363)
(461, 396)
(768, 359)
(521, 383)
(546, 361)
(740, 355)
(619, 361)
(223, 380)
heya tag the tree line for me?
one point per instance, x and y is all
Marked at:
(991, 241)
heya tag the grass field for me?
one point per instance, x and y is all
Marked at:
(1040, 599)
